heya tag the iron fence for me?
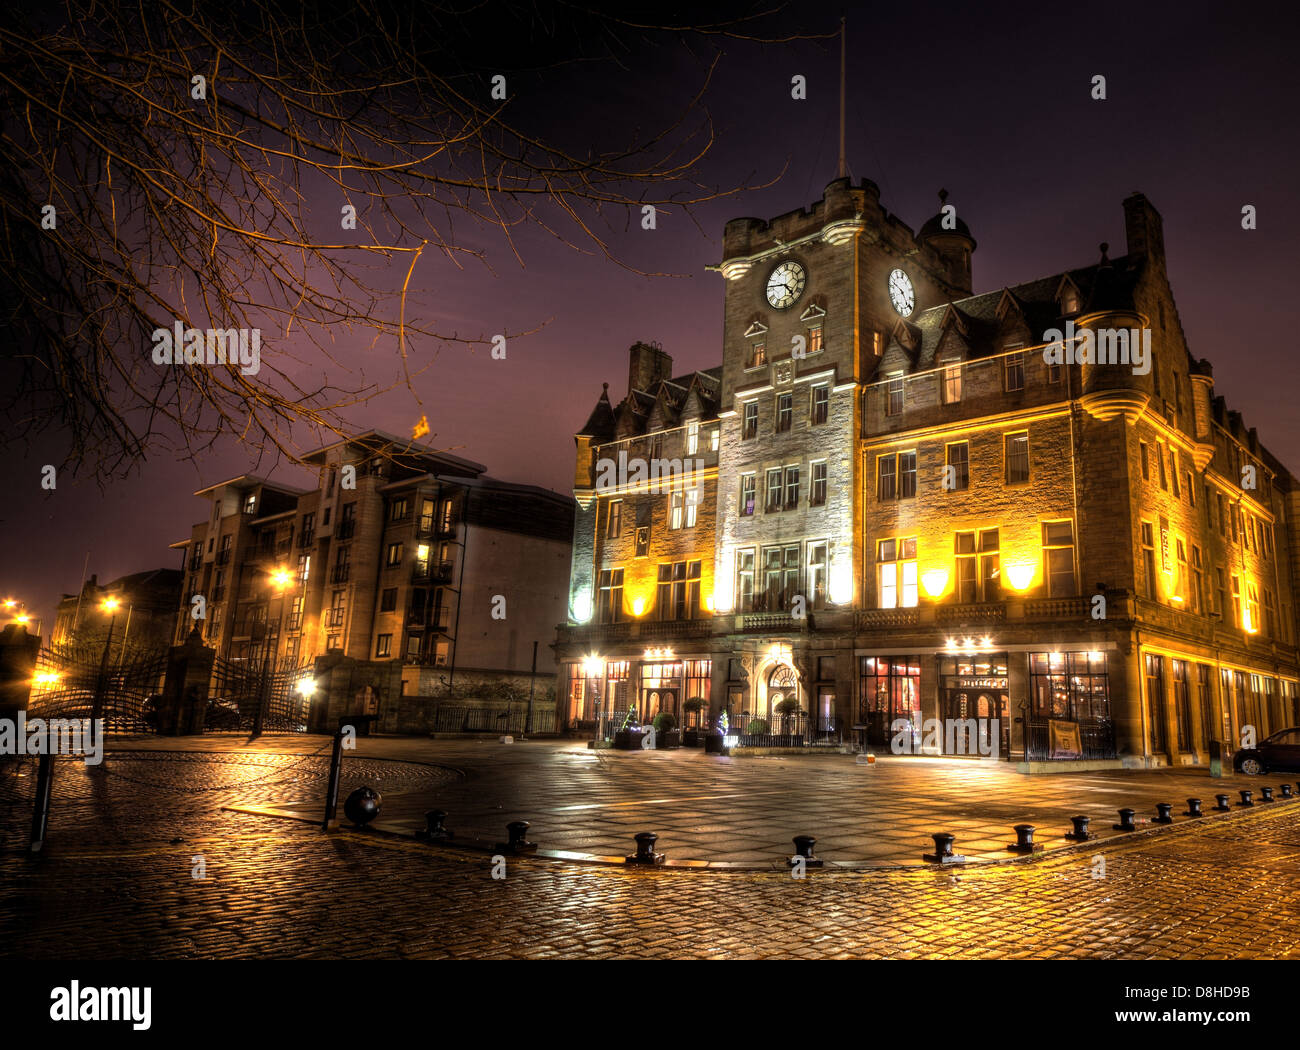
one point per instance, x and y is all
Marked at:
(1096, 739)
(469, 718)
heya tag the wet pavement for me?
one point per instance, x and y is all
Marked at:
(118, 876)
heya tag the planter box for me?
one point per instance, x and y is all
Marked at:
(628, 739)
(694, 737)
(713, 744)
(671, 738)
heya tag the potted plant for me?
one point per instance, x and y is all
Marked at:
(791, 714)
(666, 732)
(694, 734)
(628, 738)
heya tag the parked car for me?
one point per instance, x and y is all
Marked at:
(1279, 753)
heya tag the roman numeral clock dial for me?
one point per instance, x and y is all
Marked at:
(901, 293)
(785, 285)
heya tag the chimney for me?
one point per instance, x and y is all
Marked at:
(1143, 228)
(647, 364)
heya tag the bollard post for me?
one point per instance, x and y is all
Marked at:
(1024, 840)
(1164, 811)
(517, 841)
(943, 853)
(332, 791)
(803, 848)
(1266, 794)
(1286, 791)
(434, 832)
(1126, 820)
(41, 809)
(645, 850)
(1080, 832)
(1193, 808)
(1222, 806)
(1245, 798)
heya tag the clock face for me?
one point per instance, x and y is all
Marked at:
(901, 293)
(786, 284)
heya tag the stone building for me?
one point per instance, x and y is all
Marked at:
(399, 553)
(1022, 513)
(143, 613)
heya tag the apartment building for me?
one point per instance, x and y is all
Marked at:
(400, 552)
(1024, 509)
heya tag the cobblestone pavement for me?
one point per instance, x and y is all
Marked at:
(746, 811)
(116, 881)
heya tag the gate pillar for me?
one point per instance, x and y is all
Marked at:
(18, 651)
(185, 689)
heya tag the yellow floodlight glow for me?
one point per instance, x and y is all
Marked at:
(307, 687)
(935, 581)
(638, 606)
(1020, 574)
(592, 666)
(45, 679)
(110, 605)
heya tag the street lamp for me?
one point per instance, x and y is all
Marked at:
(109, 605)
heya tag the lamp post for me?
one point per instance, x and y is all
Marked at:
(278, 580)
(108, 605)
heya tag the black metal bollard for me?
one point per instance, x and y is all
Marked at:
(1126, 820)
(362, 806)
(1024, 839)
(1223, 806)
(41, 808)
(1266, 794)
(645, 849)
(803, 850)
(1245, 798)
(517, 830)
(332, 791)
(1164, 811)
(1286, 791)
(943, 853)
(1080, 832)
(435, 831)
(1193, 808)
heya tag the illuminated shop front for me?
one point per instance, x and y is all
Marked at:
(889, 691)
(973, 692)
(607, 689)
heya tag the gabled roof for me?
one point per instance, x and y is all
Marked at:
(1106, 285)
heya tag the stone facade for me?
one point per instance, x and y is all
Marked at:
(1030, 513)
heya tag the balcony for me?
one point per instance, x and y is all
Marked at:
(340, 573)
(972, 613)
(334, 617)
(702, 628)
(345, 530)
(218, 594)
(432, 573)
(223, 556)
(306, 539)
(883, 619)
(770, 621)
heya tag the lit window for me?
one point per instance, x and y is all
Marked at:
(815, 339)
(748, 484)
(750, 428)
(1058, 559)
(775, 489)
(951, 384)
(957, 477)
(757, 355)
(896, 568)
(692, 438)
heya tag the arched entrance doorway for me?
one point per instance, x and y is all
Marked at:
(783, 705)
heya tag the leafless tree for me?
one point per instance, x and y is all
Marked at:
(135, 196)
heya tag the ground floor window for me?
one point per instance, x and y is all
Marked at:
(1205, 695)
(1155, 682)
(1182, 705)
(660, 690)
(697, 685)
(889, 690)
(1069, 711)
(973, 702)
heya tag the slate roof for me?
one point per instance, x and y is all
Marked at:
(1106, 285)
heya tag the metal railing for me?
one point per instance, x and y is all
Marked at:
(1096, 739)
(513, 718)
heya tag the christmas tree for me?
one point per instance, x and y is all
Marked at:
(722, 723)
(630, 721)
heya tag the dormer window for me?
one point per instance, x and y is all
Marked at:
(951, 382)
(1070, 302)
(757, 355)
(813, 318)
(692, 438)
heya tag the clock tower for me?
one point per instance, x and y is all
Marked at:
(810, 299)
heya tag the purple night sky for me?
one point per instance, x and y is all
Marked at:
(994, 107)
